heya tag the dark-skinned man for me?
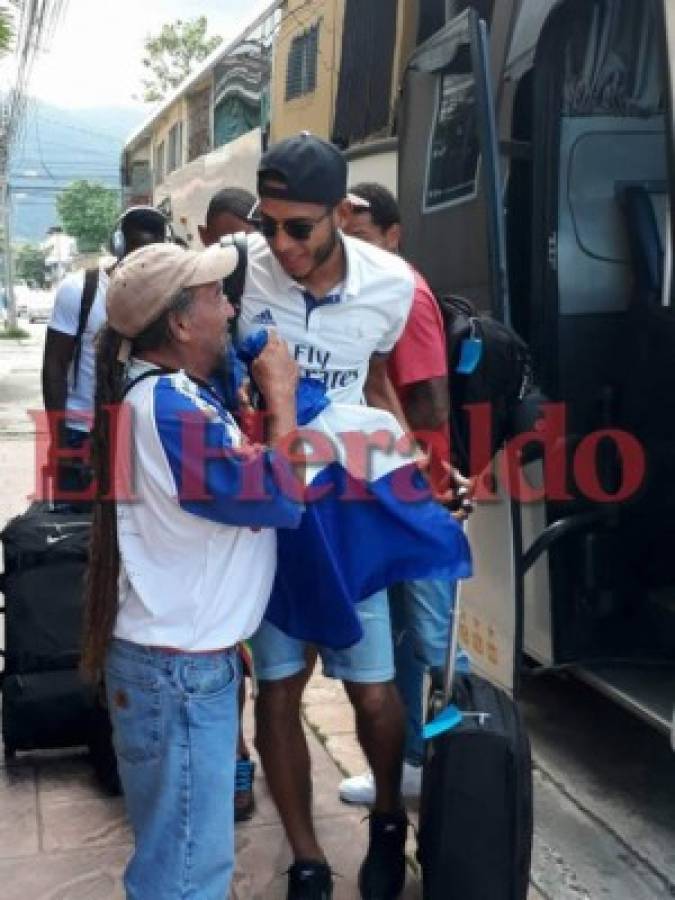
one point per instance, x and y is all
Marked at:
(420, 610)
(68, 371)
(228, 212)
(341, 306)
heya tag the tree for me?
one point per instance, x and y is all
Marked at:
(5, 31)
(88, 211)
(6, 28)
(29, 263)
(172, 55)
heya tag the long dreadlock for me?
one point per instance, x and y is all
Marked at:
(100, 607)
(101, 588)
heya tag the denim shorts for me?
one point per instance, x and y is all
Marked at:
(370, 661)
(175, 726)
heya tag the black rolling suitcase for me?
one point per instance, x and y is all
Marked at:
(45, 702)
(475, 835)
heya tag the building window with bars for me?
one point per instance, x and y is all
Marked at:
(302, 62)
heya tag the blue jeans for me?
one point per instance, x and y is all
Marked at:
(175, 725)
(421, 613)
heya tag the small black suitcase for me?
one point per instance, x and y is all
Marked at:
(476, 819)
(45, 702)
(475, 833)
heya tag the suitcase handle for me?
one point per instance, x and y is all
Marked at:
(453, 646)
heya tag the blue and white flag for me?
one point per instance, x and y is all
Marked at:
(369, 521)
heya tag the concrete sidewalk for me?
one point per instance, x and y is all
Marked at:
(59, 836)
(61, 839)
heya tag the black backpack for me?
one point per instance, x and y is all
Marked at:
(499, 374)
(89, 289)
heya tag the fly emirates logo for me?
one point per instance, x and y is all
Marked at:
(315, 363)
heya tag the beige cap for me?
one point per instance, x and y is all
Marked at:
(142, 285)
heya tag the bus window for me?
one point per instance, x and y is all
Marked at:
(452, 165)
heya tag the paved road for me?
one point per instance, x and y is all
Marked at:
(605, 797)
(604, 781)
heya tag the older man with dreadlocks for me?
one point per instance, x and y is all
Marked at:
(182, 571)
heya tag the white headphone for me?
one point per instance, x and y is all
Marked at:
(118, 244)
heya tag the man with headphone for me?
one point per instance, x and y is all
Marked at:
(68, 368)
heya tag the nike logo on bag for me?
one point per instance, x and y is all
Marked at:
(53, 539)
(264, 318)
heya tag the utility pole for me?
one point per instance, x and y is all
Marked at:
(6, 217)
(7, 250)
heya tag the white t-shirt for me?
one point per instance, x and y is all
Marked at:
(334, 340)
(65, 318)
(197, 558)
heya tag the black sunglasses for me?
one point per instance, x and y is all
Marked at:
(298, 229)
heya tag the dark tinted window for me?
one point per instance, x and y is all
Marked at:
(452, 165)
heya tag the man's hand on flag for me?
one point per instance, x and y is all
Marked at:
(456, 492)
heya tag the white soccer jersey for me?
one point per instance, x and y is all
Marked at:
(333, 340)
(65, 318)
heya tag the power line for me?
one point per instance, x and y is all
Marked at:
(45, 189)
(103, 134)
(75, 175)
(37, 20)
(36, 23)
(39, 146)
(74, 170)
(48, 142)
(65, 161)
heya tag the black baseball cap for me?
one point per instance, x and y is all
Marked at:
(303, 169)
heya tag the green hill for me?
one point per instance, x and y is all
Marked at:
(56, 146)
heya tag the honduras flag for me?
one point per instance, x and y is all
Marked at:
(369, 521)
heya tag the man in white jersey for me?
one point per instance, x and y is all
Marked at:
(341, 305)
(182, 559)
(68, 364)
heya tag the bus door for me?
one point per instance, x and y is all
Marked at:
(602, 331)
(450, 190)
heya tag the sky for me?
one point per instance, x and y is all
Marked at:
(94, 58)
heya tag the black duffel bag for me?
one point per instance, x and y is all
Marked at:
(46, 703)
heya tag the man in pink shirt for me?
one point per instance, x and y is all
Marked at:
(420, 610)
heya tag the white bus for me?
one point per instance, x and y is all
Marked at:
(537, 176)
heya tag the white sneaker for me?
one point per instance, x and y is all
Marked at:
(358, 789)
(361, 788)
